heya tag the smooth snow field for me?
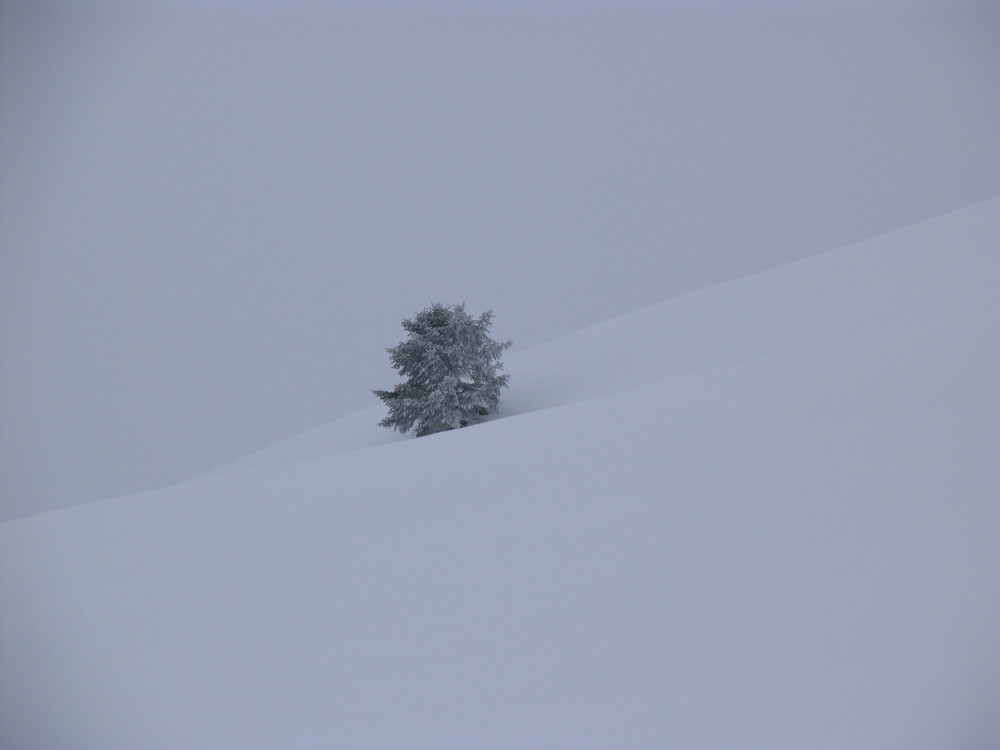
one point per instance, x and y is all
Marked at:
(762, 516)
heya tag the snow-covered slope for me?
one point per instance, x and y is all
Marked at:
(945, 267)
(764, 515)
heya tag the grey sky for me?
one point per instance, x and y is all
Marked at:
(212, 219)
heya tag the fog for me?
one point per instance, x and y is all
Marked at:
(213, 217)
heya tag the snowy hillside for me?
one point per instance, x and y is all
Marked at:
(763, 515)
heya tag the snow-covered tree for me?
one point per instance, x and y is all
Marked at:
(453, 370)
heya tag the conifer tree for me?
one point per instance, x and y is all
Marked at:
(452, 368)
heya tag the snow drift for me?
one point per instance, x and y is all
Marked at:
(763, 515)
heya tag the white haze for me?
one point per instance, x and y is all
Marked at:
(213, 216)
(760, 515)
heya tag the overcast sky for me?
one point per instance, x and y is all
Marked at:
(213, 216)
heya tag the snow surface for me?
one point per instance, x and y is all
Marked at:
(763, 515)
